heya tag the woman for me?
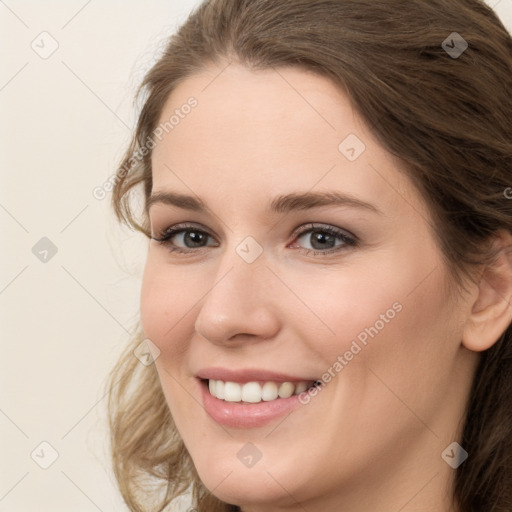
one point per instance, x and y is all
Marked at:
(328, 281)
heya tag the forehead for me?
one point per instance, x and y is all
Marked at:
(252, 134)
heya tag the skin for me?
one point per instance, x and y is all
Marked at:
(372, 439)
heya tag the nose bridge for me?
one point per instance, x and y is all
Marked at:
(238, 301)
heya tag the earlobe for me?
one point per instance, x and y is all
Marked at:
(491, 311)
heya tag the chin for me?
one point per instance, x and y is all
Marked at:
(241, 486)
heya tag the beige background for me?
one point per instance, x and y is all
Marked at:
(65, 120)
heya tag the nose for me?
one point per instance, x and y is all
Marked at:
(240, 306)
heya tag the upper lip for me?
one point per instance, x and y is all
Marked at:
(248, 375)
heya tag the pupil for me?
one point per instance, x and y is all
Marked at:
(194, 237)
(323, 239)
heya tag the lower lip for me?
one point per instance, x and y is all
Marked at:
(245, 415)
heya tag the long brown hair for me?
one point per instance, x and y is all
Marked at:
(448, 117)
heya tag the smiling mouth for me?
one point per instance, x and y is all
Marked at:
(256, 391)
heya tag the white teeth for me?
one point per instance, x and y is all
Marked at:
(269, 391)
(219, 389)
(286, 389)
(299, 388)
(232, 392)
(253, 392)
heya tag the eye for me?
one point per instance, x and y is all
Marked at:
(325, 239)
(322, 239)
(183, 239)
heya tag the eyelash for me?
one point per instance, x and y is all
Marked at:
(164, 238)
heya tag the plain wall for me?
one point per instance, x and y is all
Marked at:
(66, 316)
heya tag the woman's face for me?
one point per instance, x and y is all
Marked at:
(280, 282)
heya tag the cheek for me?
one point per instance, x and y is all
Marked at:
(391, 318)
(403, 331)
(164, 304)
(357, 307)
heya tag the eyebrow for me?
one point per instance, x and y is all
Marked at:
(280, 204)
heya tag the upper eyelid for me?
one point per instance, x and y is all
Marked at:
(298, 231)
(311, 225)
(178, 228)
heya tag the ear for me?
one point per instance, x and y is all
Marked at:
(491, 312)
